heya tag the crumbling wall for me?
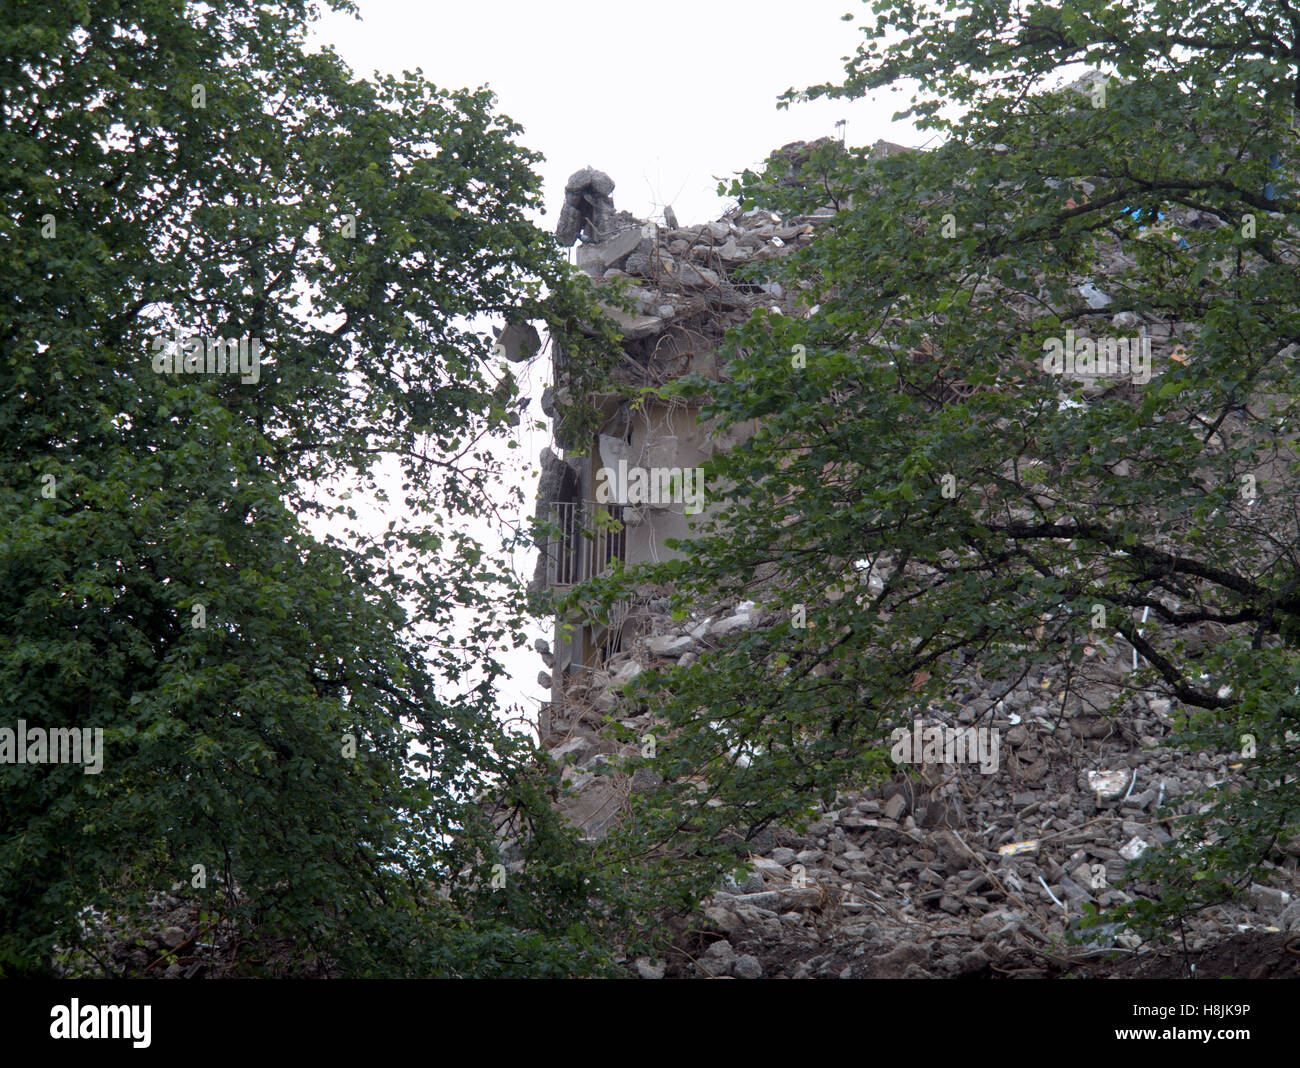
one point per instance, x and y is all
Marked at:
(687, 285)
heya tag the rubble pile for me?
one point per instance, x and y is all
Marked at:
(945, 871)
(173, 935)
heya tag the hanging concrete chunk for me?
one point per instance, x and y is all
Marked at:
(588, 206)
(521, 341)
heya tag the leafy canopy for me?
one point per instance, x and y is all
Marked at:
(170, 167)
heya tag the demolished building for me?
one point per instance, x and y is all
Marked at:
(889, 883)
(634, 485)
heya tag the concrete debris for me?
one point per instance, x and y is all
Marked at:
(649, 969)
(1108, 785)
(1269, 900)
(668, 645)
(573, 748)
(1133, 848)
(718, 959)
(902, 868)
(1095, 297)
(588, 206)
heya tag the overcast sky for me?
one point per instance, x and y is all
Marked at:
(663, 97)
(667, 98)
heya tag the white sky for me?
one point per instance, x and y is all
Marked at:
(663, 97)
(667, 98)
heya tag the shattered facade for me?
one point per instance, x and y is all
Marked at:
(687, 289)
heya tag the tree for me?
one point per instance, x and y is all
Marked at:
(1006, 511)
(291, 729)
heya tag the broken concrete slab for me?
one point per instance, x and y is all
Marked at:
(619, 246)
(634, 327)
(670, 645)
(696, 277)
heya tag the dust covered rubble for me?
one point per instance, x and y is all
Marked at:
(951, 873)
(942, 871)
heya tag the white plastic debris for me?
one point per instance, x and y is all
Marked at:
(1015, 849)
(1056, 900)
(1133, 848)
(1095, 297)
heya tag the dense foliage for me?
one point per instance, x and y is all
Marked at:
(293, 729)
